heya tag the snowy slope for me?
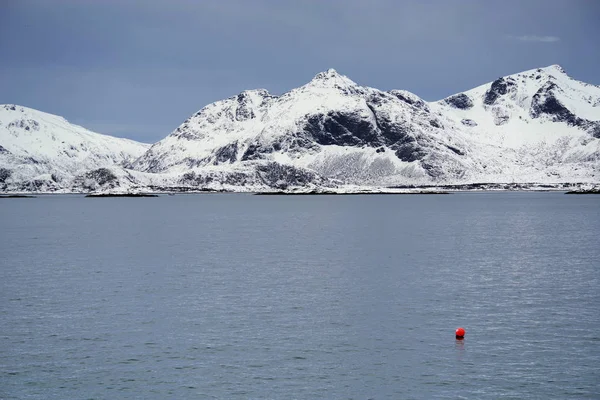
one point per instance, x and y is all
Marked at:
(539, 123)
(40, 151)
(520, 108)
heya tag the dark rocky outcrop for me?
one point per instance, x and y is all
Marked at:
(27, 124)
(4, 174)
(291, 143)
(498, 88)
(281, 176)
(460, 101)
(244, 109)
(593, 128)
(455, 150)
(193, 179)
(226, 154)
(436, 123)
(545, 102)
(102, 176)
(342, 129)
(255, 151)
(409, 98)
(409, 151)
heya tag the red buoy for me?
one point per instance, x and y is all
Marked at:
(460, 333)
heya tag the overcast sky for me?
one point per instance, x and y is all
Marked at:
(137, 69)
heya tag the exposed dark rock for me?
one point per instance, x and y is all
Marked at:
(195, 162)
(409, 98)
(410, 151)
(102, 176)
(392, 133)
(255, 151)
(498, 88)
(468, 122)
(36, 185)
(27, 124)
(594, 129)
(154, 163)
(281, 176)
(377, 98)
(3, 150)
(433, 169)
(456, 150)
(461, 101)
(226, 153)
(435, 123)
(237, 179)
(501, 119)
(295, 142)
(244, 107)
(193, 179)
(199, 181)
(183, 132)
(342, 129)
(545, 102)
(4, 174)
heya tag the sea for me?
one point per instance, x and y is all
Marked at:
(240, 296)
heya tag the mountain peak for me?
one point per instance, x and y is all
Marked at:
(554, 68)
(328, 74)
(331, 78)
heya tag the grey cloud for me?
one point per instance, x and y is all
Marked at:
(535, 38)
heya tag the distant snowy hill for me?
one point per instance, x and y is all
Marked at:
(539, 123)
(44, 152)
(536, 126)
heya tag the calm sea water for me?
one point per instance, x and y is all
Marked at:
(324, 297)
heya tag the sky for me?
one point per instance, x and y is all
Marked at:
(139, 68)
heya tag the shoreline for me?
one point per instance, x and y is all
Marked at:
(576, 188)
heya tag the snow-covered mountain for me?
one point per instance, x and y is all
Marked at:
(535, 126)
(44, 152)
(539, 123)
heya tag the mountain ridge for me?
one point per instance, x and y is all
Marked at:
(538, 125)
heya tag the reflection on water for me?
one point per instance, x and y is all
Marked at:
(460, 348)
